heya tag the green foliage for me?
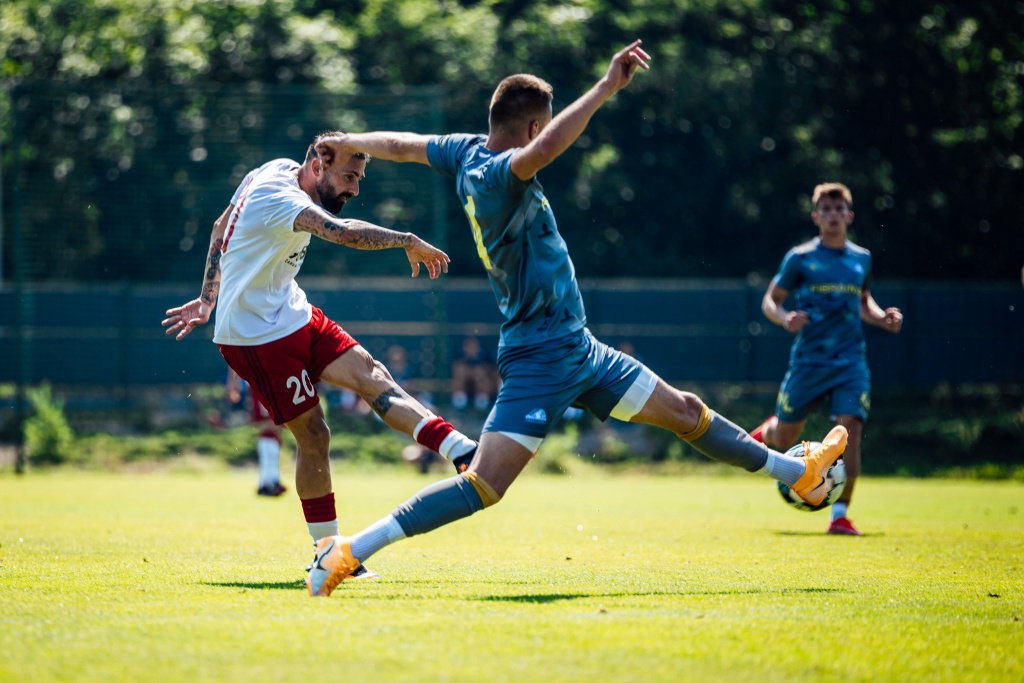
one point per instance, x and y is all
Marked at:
(972, 432)
(917, 105)
(230, 446)
(557, 453)
(49, 439)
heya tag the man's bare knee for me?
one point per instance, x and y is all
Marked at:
(687, 411)
(692, 406)
(313, 436)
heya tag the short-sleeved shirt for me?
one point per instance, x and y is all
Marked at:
(827, 283)
(517, 240)
(259, 301)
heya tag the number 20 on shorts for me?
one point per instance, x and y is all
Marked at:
(301, 385)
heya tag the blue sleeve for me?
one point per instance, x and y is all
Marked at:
(869, 276)
(445, 152)
(499, 175)
(789, 275)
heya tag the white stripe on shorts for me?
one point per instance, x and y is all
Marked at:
(530, 443)
(635, 398)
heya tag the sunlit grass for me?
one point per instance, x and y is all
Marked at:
(152, 577)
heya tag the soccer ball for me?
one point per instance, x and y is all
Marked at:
(835, 480)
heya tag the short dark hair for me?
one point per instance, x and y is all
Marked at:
(519, 99)
(311, 150)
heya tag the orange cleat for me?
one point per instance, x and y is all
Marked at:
(333, 564)
(463, 462)
(811, 485)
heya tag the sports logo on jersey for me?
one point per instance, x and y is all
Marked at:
(537, 416)
(297, 258)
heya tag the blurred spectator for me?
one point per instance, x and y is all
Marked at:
(474, 376)
(268, 445)
(627, 348)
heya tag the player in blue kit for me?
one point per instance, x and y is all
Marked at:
(547, 358)
(827, 285)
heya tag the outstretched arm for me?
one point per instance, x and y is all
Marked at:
(771, 306)
(362, 235)
(183, 319)
(382, 145)
(570, 123)
(890, 320)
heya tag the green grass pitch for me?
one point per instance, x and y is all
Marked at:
(179, 577)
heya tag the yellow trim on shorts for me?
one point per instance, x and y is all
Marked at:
(703, 422)
(487, 494)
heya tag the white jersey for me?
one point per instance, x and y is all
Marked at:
(259, 301)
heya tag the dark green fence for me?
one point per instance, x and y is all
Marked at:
(687, 331)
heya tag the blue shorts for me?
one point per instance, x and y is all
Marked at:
(539, 381)
(805, 385)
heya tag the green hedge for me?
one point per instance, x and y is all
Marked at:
(970, 432)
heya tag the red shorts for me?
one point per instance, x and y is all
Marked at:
(259, 412)
(283, 373)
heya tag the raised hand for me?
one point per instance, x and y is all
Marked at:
(186, 317)
(624, 65)
(893, 320)
(796, 321)
(433, 258)
(333, 147)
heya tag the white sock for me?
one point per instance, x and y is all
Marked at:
(456, 444)
(381, 533)
(784, 468)
(268, 451)
(839, 510)
(320, 530)
(419, 426)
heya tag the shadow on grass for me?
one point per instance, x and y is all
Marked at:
(789, 532)
(534, 598)
(544, 598)
(258, 585)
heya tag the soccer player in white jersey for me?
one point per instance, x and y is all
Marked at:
(280, 344)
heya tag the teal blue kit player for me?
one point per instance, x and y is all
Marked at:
(547, 358)
(828, 356)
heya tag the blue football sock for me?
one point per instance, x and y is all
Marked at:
(438, 504)
(726, 442)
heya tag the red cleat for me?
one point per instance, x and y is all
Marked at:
(758, 434)
(843, 527)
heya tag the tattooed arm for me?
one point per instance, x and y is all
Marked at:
(362, 235)
(183, 319)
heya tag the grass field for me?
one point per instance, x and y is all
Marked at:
(172, 577)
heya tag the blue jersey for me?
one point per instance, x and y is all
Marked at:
(827, 283)
(516, 238)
